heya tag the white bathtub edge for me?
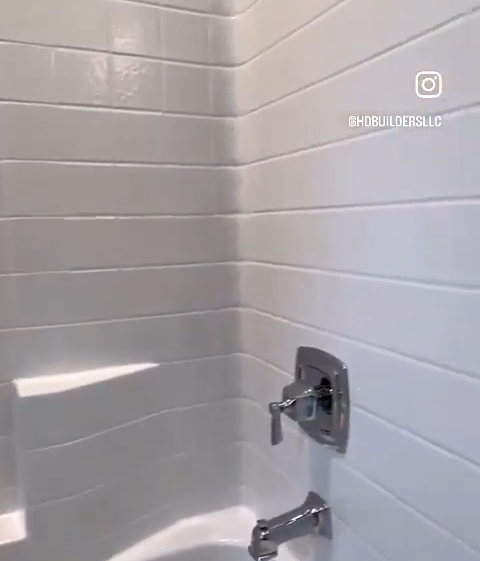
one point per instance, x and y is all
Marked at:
(229, 526)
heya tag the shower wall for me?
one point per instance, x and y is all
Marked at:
(138, 355)
(118, 287)
(361, 242)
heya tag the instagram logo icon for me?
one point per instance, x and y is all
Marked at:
(428, 84)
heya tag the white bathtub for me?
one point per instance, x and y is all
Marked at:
(218, 536)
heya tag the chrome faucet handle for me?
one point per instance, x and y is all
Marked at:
(276, 408)
(302, 401)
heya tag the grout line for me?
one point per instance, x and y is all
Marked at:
(337, 5)
(369, 346)
(168, 8)
(252, 5)
(447, 533)
(359, 207)
(248, 214)
(103, 109)
(138, 421)
(362, 62)
(427, 442)
(184, 313)
(123, 163)
(106, 51)
(186, 11)
(214, 444)
(120, 269)
(119, 320)
(361, 538)
(89, 216)
(343, 273)
(328, 144)
(291, 33)
(317, 17)
(333, 143)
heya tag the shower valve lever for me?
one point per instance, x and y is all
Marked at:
(302, 406)
(276, 409)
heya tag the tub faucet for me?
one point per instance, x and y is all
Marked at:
(312, 517)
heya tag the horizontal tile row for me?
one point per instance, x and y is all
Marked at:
(48, 75)
(381, 382)
(277, 72)
(94, 135)
(418, 246)
(350, 93)
(141, 29)
(97, 515)
(52, 419)
(67, 189)
(65, 244)
(64, 298)
(378, 172)
(45, 351)
(433, 324)
(68, 470)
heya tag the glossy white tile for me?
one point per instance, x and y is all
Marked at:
(137, 83)
(134, 28)
(27, 73)
(67, 189)
(80, 78)
(175, 26)
(188, 89)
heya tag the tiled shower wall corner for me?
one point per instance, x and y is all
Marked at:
(361, 242)
(118, 244)
(119, 248)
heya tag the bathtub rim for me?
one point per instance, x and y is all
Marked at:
(227, 527)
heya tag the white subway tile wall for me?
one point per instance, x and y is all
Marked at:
(362, 243)
(118, 247)
(180, 189)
